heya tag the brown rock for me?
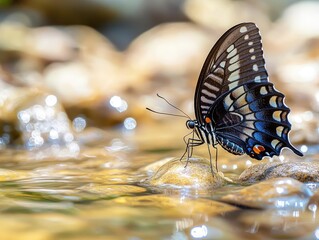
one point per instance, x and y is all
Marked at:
(301, 171)
(197, 174)
(269, 194)
(177, 206)
(176, 49)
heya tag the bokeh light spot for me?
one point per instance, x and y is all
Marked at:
(130, 123)
(51, 100)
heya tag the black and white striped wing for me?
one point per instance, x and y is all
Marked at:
(236, 58)
(235, 99)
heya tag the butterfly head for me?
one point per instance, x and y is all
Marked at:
(191, 124)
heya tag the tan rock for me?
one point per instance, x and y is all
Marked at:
(301, 171)
(175, 49)
(177, 206)
(273, 193)
(196, 173)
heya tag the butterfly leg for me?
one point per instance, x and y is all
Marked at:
(191, 143)
(186, 143)
(210, 159)
(216, 151)
(216, 156)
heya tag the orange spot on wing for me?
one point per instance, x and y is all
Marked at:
(258, 149)
(208, 120)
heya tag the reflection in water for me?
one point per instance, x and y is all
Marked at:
(313, 207)
(116, 145)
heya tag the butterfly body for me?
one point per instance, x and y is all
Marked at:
(235, 104)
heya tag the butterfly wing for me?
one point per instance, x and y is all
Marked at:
(234, 93)
(255, 117)
(229, 58)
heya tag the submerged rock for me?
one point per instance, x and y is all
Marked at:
(301, 171)
(273, 193)
(194, 173)
(177, 206)
(111, 190)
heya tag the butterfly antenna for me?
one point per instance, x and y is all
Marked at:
(163, 113)
(173, 106)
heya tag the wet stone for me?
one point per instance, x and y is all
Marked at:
(177, 206)
(152, 168)
(197, 174)
(283, 193)
(301, 171)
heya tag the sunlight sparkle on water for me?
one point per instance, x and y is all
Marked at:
(53, 134)
(79, 124)
(130, 123)
(24, 116)
(280, 190)
(296, 214)
(304, 148)
(115, 101)
(248, 163)
(118, 103)
(312, 207)
(51, 100)
(199, 232)
(116, 145)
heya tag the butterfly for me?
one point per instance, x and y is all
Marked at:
(235, 104)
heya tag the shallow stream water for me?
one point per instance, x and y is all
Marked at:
(100, 194)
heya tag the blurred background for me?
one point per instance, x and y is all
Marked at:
(70, 66)
(77, 143)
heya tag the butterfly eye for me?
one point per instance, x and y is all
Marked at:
(190, 124)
